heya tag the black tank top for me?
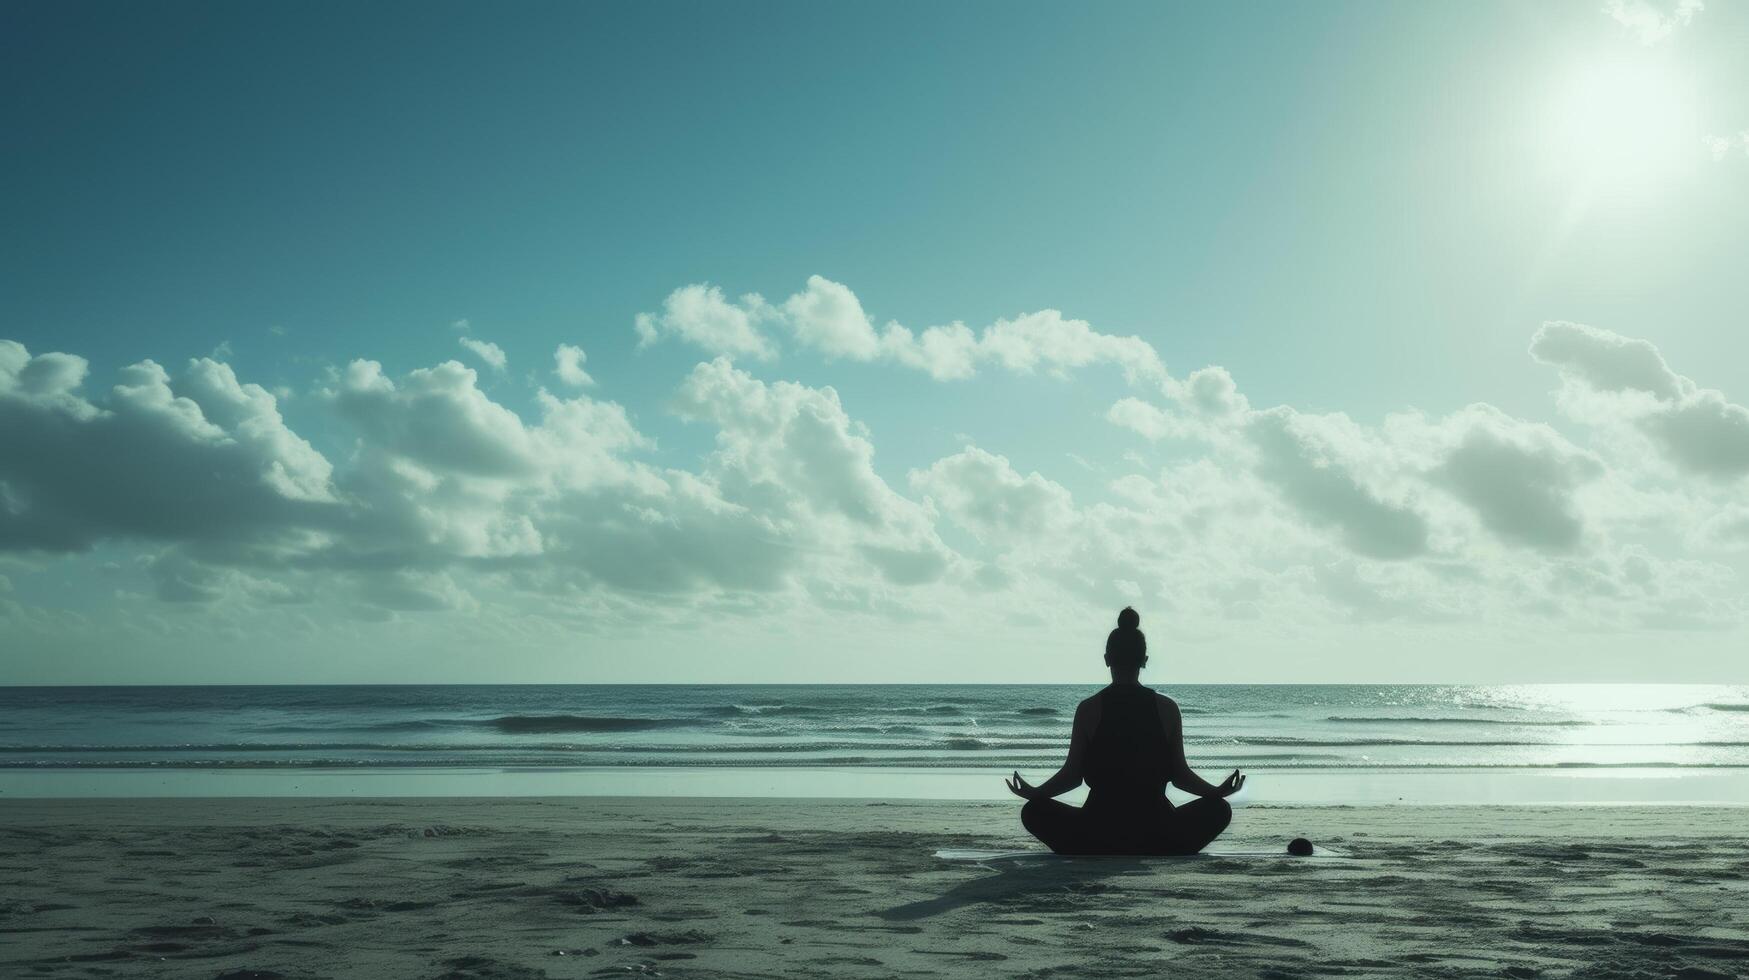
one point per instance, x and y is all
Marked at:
(1128, 760)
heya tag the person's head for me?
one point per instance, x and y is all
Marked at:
(1126, 649)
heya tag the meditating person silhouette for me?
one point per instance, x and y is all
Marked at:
(1127, 744)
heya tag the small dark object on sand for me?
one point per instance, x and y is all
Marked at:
(1299, 847)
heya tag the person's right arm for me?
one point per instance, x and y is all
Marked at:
(1069, 776)
(1184, 777)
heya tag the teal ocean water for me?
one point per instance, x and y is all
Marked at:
(784, 739)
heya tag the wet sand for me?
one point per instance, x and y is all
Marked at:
(514, 889)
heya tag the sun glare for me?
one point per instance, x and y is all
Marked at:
(1621, 126)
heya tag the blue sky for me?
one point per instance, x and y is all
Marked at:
(1356, 211)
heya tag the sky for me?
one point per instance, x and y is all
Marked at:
(905, 342)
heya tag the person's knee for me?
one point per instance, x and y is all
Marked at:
(1214, 813)
(1197, 824)
(1031, 813)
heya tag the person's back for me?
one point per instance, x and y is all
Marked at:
(1128, 759)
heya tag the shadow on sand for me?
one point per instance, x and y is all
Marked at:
(1017, 880)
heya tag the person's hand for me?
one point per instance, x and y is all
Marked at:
(1020, 787)
(1232, 784)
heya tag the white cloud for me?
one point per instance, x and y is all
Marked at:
(1651, 21)
(983, 493)
(828, 318)
(489, 353)
(1142, 418)
(1604, 360)
(1264, 523)
(444, 479)
(1519, 478)
(1204, 406)
(791, 450)
(251, 416)
(1703, 434)
(699, 315)
(437, 417)
(48, 380)
(948, 353)
(198, 457)
(568, 366)
(1478, 515)
(1210, 391)
(1045, 341)
(1317, 464)
(1621, 382)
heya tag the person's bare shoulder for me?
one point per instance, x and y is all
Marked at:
(1087, 711)
(1168, 709)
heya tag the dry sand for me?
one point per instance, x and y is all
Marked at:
(579, 887)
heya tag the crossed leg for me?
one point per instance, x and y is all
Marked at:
(1068, 829)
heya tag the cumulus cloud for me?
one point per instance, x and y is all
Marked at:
(1210, 391)
(1204, 404)
(442, 472)
(793, 450)
(1604, 360)
(984, 494)
(828, 318)
(1519, 478)
(433, 498)
(1703, 434)
(775, 438)
(1045, 341)
(46, 380)
(1479, 513)
(568, 366)
(1624, 382)
(441, 477)
(1375, 487)
(489, 353)
(438, 417)
(1144, 419)
(1651, 21)
(699, 315)
(198, 456)
(1311, 462)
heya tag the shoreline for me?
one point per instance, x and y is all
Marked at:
(1379, 786)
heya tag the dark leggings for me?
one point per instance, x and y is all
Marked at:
(1069, 829)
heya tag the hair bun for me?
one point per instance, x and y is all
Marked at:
(1129, 619)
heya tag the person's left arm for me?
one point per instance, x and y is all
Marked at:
(1069, 776)
(1184, 777)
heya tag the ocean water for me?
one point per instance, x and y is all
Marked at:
(1675, 743)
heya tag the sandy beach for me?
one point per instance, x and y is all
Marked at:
(520, 889)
